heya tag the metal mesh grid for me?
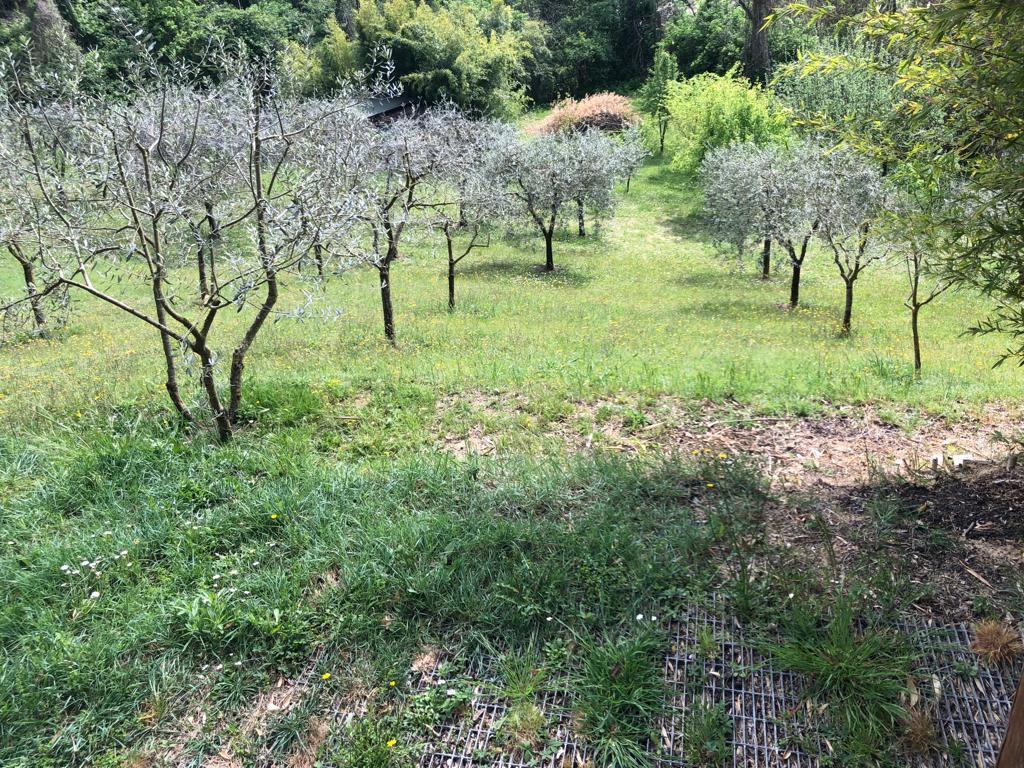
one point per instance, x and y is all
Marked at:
(973, 702)
(708, 664)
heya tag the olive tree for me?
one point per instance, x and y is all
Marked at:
(793, 221)
(543, 176)
(600, 161)
(468, 204)
(736, 197)
(26, 219)
(846, 204)
(23, 225)
(146, 188)
(765, 195)
(393, 174)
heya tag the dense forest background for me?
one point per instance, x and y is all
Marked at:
(490, 55)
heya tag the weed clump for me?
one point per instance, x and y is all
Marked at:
(620, 694)
(919, 735)
(370, 742)
(706, 735)
(858, 676)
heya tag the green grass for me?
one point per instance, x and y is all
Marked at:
(620, 694)
(708, 730)
(647, 308)
(145, 571)
(859, 675)
(151, 574)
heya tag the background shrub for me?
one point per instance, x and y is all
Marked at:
(711, 111)
(604, 111)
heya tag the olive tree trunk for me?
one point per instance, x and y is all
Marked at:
(385, 302)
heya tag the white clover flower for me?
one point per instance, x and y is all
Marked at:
(639, 617)
(94, 595)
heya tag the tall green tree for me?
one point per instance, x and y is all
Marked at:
(654, 95)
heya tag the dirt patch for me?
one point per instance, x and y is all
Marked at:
(306, 755)
(977, 502)
(426, 660)
(964, 543)
(843, 447)
(269, 705)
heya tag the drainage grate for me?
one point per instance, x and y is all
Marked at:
(707, 664)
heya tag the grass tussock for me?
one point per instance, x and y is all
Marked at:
(620, 695)
(857, 676)
(996, 643)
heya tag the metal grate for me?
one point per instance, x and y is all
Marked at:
(973, 703)
(708, 664)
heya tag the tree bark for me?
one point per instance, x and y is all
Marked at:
(915, 311)
(581, 217)
(34, 299)
(238, 355)
(385, 300)
(758, 66)
(848, 308)
(549, 252)
(166, 344)
(662, 130)
(794, 286)
(220, 416)
(318, 258)
(766, 259)
(451, 285)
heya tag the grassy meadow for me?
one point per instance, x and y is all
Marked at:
(647, 307)
(158, 584)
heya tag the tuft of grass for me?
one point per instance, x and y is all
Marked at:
(522, 675)
(706, 736)
(919, 734)
(370, 742)
(523, 726)
(620, 693)
(859, 675)
(996, 643)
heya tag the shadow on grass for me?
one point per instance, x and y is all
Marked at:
(737, 308)
(494, 268)
(508, 268)
(690, 225)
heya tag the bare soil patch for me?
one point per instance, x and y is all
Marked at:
(977, 503)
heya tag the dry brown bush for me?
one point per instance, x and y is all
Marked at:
(609, 112)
